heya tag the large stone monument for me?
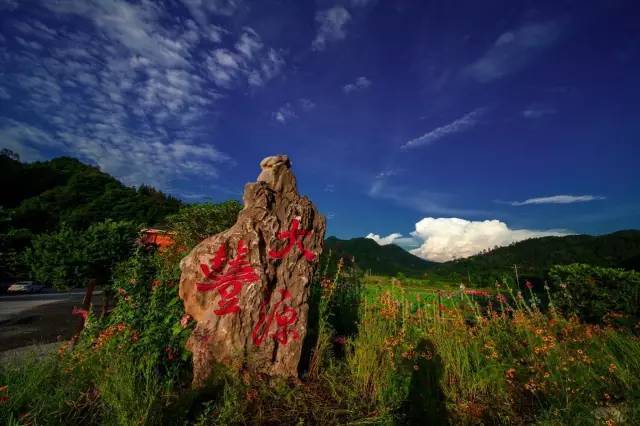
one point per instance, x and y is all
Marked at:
(248, 287)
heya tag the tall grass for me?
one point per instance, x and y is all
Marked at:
(383, 354)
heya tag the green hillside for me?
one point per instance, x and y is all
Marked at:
(380, 260)
(41, 196)
(535, 257)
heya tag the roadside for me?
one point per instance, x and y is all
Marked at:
(35, 319)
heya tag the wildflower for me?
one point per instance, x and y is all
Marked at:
(155, 283)
(563, 285)
(511, 373)
(546, 374)
(416, 367)
(462, 287)
(184, 321)
(171, 353)
(340, 340)
(4, 398)
(501, 298)
(610, 422)
(133, 281)
(80, 313)
(251, 395)
(612, 368)
(529, 285)
(122, 291)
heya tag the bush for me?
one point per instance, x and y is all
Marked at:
(597, 294)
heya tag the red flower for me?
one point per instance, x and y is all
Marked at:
(155, 283)
(529, 285)
(481, 293)
(80, 313)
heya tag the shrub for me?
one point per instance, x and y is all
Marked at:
(597, 294)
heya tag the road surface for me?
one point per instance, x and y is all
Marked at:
(39, 318)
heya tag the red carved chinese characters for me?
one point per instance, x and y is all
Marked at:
(294, 236)
(284, 320)
(228, 283)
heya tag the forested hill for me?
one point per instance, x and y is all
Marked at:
(41, 196)
(381, 260)
(534, 257)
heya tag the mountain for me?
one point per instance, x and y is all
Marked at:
(41, 196)
(534, 257)
(380, 260)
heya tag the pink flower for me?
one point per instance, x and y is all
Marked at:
(340, 340)
(80, 313)
(501, 298)
(529, 284)
(184, 321)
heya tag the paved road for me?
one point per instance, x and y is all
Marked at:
(13, 306)
(40, 318)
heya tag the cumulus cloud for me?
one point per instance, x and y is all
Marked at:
(513, 50)
(360, 84)
(451, 238)
(558, 199)
(331, 26)
(462, 124)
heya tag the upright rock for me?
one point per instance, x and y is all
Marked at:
(248, 287)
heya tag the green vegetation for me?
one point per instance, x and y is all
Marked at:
(65, 195)
(597, 295)
(375, 259)
(393, 356)
(535, 257)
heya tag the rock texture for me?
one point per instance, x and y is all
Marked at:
(248, 287)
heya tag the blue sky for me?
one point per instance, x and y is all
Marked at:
(445, 127)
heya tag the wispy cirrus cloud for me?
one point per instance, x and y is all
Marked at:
(558, 199)
(291, 110)
(513, 50)
(459, 125)
(331, 26)
(538, 111)
(133, 89)
(360, 84)
(418, 199)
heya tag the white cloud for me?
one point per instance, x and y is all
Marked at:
(462, 124)
(130, 89)
(383, 241)
(4, 95)
(284, 113)
(202, 9)
(291, 110)
(331, 26)
(537, 111)
(513, 50)
(360, 84)
(419, 199)
(306, 104)
(449, 238)
(558, 199)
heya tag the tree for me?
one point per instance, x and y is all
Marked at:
(196, 222)
(70, 258)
